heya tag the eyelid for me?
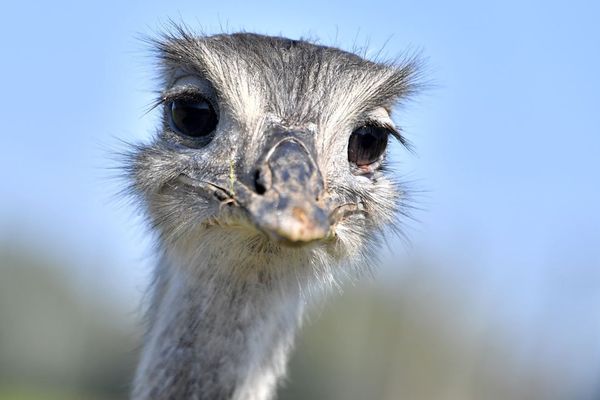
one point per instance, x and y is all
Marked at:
(187, 92)
(390, 127)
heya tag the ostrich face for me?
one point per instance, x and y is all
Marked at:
(275, 143)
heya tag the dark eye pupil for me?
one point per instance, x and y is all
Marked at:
(195, 118)
(367, 144)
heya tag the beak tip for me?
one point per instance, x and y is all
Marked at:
(300, 236)
(299, 227)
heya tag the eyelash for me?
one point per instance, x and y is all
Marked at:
(181, 93)
(394, 132)
(185, 94)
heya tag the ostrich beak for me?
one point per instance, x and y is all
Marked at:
(286, 202)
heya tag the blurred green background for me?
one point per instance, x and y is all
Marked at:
(495, 296)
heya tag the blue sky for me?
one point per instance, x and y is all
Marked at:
(507, 143)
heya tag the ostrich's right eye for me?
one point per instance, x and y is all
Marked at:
(193, 118)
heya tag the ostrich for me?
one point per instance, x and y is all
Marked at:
(265, 183)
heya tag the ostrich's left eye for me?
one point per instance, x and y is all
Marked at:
(194, 118)
(367, 144)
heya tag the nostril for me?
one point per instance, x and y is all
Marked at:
(259, 183)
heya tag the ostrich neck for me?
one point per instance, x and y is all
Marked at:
(210, 338)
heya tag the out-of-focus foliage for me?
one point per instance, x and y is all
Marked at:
(412, 337)
(412, 340)
(56, 342)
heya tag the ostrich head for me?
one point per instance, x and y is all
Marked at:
(266, 176)
(271, 149)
